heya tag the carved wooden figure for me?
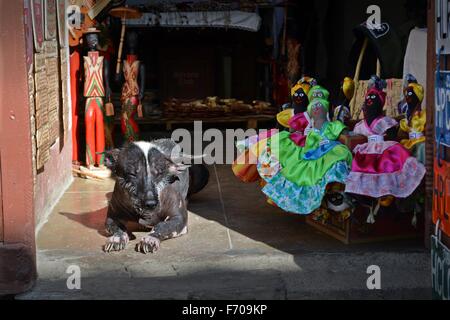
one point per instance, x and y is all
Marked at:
(96, 86)
(133, 89)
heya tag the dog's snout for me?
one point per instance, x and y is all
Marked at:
(151, 204)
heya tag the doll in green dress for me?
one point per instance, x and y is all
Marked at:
(299, 185)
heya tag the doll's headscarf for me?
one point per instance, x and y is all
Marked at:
(306, 87)
(305, 83)
(318, 92)
(376, 82)
(380, 93)
(418, 90)
(318, 102)
(311, 81)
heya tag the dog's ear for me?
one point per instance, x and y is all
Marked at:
(111, 157)
(176, 168)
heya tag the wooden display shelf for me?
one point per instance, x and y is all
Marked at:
(250, 120)
(389, 225)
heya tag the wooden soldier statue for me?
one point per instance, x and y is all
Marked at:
(133, 89)
(96, 86)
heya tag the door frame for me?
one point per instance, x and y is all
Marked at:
(18, 247)
(1, 201)
(430, 129)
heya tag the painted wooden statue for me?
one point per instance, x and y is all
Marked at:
(96, 86)
(74, 92)
(133, 89)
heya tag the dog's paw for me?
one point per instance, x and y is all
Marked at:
(148, 244)
(116, 242)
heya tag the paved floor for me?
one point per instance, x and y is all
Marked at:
(237, 247)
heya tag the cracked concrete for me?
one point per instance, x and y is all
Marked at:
(237, 247)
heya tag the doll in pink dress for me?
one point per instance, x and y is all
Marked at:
(381, 167)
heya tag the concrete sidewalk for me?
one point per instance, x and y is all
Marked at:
(238, 247)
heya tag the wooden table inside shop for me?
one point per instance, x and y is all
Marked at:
(250, 120)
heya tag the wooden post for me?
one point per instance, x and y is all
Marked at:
(378, 68)
(283, 45)
(357, 72)
(252, 124)
(119, 54)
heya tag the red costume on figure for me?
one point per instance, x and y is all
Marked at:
(94, 91)
(130, 98)
(74, 83)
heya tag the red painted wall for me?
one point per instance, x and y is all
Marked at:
(18, 249)
(53, 180)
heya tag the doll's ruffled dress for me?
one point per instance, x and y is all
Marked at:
(382, 168)
(295, 166)
(296, 177)
(415, 129)
(251, 148)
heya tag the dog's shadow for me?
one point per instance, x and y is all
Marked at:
(95, 220)
(92, 220)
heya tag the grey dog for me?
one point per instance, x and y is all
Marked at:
(152, 187)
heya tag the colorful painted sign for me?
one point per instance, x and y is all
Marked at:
(442, 27)
(442, 108)
(441, 195)
(37, 11)
(440, 269)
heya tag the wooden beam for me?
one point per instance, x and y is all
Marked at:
(429, 144)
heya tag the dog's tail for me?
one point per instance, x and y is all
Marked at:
(198, 178)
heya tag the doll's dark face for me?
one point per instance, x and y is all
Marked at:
(299, 97)
(372, 106)
(412, 101)
(132, 40)
(300, 100)
(411, 97)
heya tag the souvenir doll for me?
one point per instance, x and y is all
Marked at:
(412, 128)
(301, 123)
(342, 112)
(403, 105)
(414, 124)
(318, 92)
(294, 118)
(289, 143)
(381, 167)
(296, 181)
(299, 97)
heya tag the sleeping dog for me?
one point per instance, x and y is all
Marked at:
(152, 186)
